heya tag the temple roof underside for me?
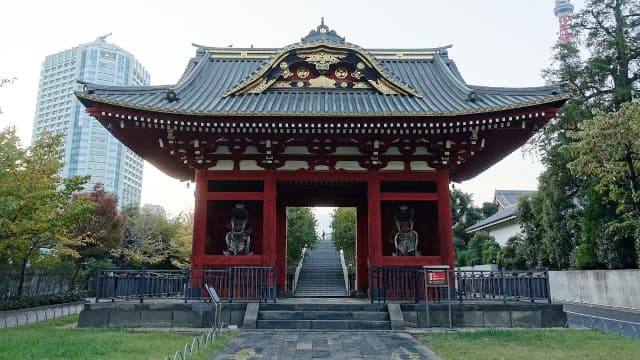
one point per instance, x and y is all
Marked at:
(409, 103)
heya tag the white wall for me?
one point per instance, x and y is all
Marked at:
(618, 288)
(503, 231)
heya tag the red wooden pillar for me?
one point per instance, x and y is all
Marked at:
(444, 218)
(281, 245)
(199, 220)
(269, 220)
(362, 248)
(374, 221)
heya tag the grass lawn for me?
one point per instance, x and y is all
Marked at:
(59, 339)
(531, 344)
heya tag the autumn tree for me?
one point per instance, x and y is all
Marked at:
(36, 210)
(99, 233)
(301, 232)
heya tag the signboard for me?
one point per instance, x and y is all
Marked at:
(437, 277)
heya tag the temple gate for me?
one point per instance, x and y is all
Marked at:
(322, 122)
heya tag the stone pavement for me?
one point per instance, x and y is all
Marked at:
(339, 345)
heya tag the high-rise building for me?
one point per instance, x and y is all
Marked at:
(89, 149)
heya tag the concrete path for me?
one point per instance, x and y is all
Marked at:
(617, 321)
(339, 345)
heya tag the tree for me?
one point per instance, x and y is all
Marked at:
(343, 226)
(605, 79)
(36, 210)
(301, 232)
(464, 215)
(483, 249)
(180, 246)
(510, 256)
(607, 150)
(147, 240)
(97, 234)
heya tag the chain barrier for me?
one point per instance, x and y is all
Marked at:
(619, 327)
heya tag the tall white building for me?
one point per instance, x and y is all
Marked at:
(89, 149)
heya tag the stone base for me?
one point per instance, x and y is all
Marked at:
(486, 315)
(165, 314)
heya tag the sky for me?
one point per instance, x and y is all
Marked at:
(495, 43)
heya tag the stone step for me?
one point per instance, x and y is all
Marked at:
(324, 315)
(323, 324)
(323, 307)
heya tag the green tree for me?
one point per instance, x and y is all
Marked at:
(180, 246)
(301, 232)
(510, 256)
(604, 79)
(36, 210)
(483, 249)
(343, 226)
(607, 150)
(147, 240)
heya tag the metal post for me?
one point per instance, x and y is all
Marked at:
(459, 284)
(371, 283)
(142, 284)
(98, 286)
(185, 285)
(530, 282)
(275, 284)
(230, 284)
(426, 298)
(449, 298)
(416, 284)
(503, 281)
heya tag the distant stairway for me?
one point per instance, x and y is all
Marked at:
(324, 316)
(321, 274)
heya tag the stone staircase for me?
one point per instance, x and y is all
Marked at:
(323, 316)
(321, 274)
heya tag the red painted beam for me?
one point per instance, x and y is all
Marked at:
(235, 196)
(409, 197)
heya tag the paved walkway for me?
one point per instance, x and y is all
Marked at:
(339, 345)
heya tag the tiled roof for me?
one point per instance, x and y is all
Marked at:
(498, 217)
(508, 198)
(201, 90)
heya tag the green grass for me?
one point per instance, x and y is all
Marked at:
(531, 345)
(59, 339)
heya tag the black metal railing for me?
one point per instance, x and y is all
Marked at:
(408, 284)
(232, 283)
(35, 283)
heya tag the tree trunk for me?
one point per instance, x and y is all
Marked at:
(23, 270)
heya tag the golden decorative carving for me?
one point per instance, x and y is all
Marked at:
(341, 73)
(357, 74)
(382, 87)
(302, 72)
(322, 58)
(361, 85)
(286, 73)
(322, 82)
(261, 86)
(300, 84)
(344, 84)
(360, 66)
(283, 65)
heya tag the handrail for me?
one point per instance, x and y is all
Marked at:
(298, 269)
(345, 272)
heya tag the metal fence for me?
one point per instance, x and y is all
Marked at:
(408, 284)
(232, 283)
(36, 283)
(621, 327)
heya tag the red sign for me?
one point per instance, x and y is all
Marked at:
(437, 277)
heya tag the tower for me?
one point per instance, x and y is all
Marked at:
(563, 11)
(89, 149)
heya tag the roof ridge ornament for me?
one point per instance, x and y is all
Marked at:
(322, 33)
